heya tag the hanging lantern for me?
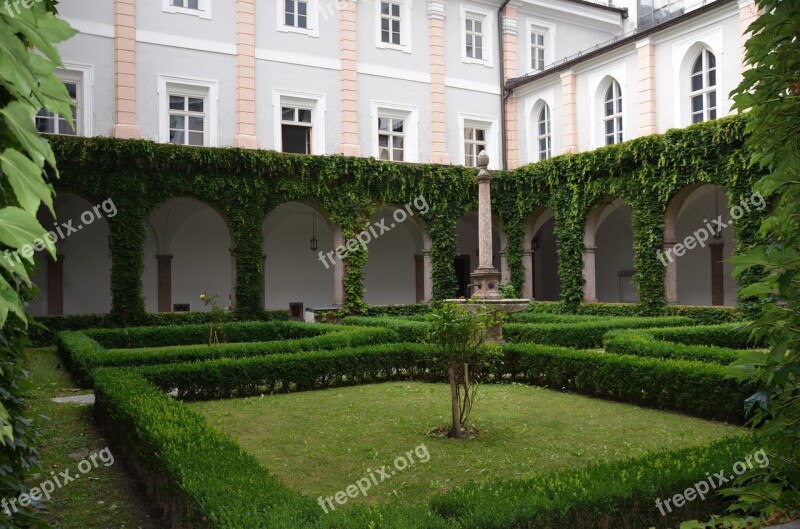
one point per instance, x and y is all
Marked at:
(313, 240)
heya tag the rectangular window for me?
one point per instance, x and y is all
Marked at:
(391, 139)
(538, 40)
(49, 123)
(474, 143)
(187, 119)
(390, 22)
(296, 13)
(296, 130)
(474, 37)
(186, 4)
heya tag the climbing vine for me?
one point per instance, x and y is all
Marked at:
(245, 186)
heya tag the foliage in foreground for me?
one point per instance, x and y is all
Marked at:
(770, 92)
(28, 58)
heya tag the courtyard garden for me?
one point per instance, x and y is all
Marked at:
(576, 418)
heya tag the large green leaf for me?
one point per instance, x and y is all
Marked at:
(26, 180)
(18, 117)
(19, 228)
(41, 32)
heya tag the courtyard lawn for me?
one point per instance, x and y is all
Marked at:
(105, 498)
(320, 442)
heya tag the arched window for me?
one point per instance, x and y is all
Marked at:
(703, 94)
(544, 139)
(612, 114)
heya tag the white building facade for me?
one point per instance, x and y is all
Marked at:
(428, 81)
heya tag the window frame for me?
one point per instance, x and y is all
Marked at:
(308, 125)
(405, 26)
(409, 114)
(548, 30)
(315, 102)
(187, 113)
(312, 19)
(203, 9)
(617, 116)
(391, 134)
(188, 87)
(82, 75)
(707, 89)
(547, 136)
(488, 123)
(486, 17)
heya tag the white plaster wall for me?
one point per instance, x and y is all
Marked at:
(397, 61)
(298, 47)
(390, 272)
(694, 266)
(87, 11)
(221, 27)
(271, 75)
(719, 30)
(471, 102)
(528, 107)
(614, 243)
(590, 104)
(292, 272)
(155, 60)
(97, 52)
(392, 91)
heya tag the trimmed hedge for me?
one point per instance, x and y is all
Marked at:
(547, 317)
(610, 495)
(681, 343)
(696, 388)
(204, 479)
(410, 330)
(251, 331)
(50, 326)
(292, 372)
(581, 335)
(83, 354)
(700, 315)
(733, 336)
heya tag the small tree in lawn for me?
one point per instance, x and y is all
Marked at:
(458, 335)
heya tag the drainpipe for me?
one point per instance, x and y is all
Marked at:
(503, 94)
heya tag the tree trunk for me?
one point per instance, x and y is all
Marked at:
(467, 402)
(455, 433)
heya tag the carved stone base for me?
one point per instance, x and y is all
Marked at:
(486, 283)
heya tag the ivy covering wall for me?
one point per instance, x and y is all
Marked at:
(245, 186)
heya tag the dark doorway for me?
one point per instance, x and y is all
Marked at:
(462, 268)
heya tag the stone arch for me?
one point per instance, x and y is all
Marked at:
(540, 257)
(188, 251)
(293, 273)
(696, 250)
(79, 281)
(608, 257)
(399, 269)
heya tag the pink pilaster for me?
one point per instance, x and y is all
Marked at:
(125, 124)
(569, 96)
(646, 53)
(348, 144)
(436, 14)
(245, 75)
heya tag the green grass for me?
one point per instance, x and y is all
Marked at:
(322, 441)
(104, 498)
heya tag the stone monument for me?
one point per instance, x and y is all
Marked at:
(485, 278)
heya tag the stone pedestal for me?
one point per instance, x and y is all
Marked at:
(485, 283)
